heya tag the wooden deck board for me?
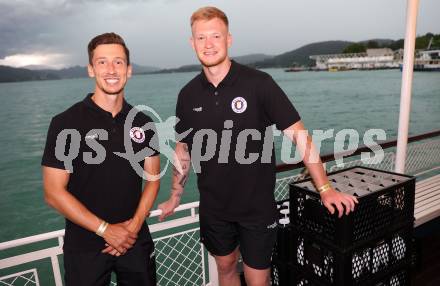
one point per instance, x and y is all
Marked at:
(427, 200)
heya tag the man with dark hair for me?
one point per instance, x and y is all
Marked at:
(104, 39)
(237, 205)
(93, 187)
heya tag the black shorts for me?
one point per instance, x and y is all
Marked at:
(255, 239)
(93, 268)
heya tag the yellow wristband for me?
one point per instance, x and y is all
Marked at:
(324, 188)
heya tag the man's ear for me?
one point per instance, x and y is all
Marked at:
(229, 39)
(191, 41)
(129, 70)
(90, 70)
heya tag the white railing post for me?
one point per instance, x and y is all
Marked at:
(212, 268)
(407, 76)
(55, 251)
(56, 271)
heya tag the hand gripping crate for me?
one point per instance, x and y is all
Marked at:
(386, 203)
(367, 264)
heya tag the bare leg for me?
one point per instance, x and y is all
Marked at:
(256, 277)
(227, 269)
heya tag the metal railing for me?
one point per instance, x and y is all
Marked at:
(423, 156)
(180, 257)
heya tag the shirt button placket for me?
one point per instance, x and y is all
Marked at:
(114, 126)
(216, 100)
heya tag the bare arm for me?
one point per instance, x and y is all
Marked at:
(151, 188)
(149, 194)
(182, 164)
(56, 195)
(299, 135)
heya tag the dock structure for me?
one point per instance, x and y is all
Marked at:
(428, 60)
(383, 58)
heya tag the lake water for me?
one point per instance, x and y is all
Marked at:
(357, 100)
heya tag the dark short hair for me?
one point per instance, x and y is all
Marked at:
(104, 39)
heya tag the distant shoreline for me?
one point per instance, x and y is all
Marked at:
(296, 58)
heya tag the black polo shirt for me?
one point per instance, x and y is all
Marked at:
(110, 189)
(249, 99)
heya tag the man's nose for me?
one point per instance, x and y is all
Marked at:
(111, 68)
(208, 43)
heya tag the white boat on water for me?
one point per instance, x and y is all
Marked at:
(427, 61)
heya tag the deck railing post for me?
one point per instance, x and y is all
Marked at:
(213, 274)
(56, 271)
(407, 76)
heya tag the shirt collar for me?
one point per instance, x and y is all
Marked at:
(91, 104)
(229, 79)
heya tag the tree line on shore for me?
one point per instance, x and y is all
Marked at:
(422, 42)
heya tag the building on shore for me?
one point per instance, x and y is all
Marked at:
(383, 58)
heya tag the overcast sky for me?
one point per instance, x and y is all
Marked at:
(56, 32)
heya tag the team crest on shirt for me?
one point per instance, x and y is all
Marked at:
(239, 105)
(137, 134)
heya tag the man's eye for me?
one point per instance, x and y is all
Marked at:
(200, 38)
(101, 62)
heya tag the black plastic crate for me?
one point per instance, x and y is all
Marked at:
(283, 274)
(400, 277)
(280, 273)
(369, 262)
(386, 203)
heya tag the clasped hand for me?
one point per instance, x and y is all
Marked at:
(120, 237)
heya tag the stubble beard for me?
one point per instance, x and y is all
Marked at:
(119, 91)
(212, 64)
(111, 92)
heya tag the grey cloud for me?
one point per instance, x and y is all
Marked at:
(29, 26)
(26, 26)
(157, 31)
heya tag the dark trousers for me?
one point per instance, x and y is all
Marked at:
(93, 268)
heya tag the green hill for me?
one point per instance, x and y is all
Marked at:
(301, 55)
(11, 74)
(429, 40)
(245, 60)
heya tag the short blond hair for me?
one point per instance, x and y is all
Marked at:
(209, 13)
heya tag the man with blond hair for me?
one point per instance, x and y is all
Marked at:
(237, 204)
